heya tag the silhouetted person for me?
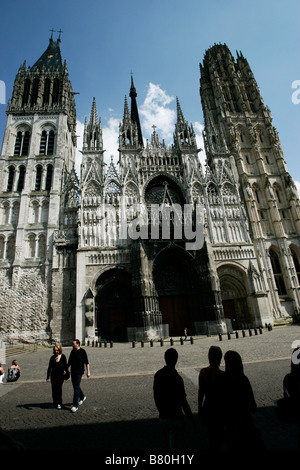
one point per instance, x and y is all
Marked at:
(291, 386)
(291, 382)
(240, 405)
(210, 398)
(171, 402)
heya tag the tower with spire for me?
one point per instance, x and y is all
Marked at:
(37, 161)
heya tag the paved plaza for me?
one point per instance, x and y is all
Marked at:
(119, 414)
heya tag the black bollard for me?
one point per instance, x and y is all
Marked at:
(171, 341)
(192, 340)
(151, 343)
(236, 334)
(181, 341)
(255, 331)
(111, 344)
(133, 344)
(243, 333)
(161, 342)
(220, 337)
(260, 330)
(228, 335)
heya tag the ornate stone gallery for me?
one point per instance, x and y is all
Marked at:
(157, 243)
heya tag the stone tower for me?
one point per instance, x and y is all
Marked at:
(37, 159)
(239, 135)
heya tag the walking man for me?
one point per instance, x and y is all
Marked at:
(78, 360)
(171, 402)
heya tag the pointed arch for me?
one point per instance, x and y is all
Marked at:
(277, 271)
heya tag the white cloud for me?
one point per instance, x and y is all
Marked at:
(198, 128)
(155, 111)
(111, 139)
(297, 183)
(79, 133)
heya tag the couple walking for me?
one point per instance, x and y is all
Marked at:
(58, 371)
(226, 402)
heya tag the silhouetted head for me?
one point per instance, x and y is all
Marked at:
(233, 363)
(171, 357)
(295, 362)
(214, 356)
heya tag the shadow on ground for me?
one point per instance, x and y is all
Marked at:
(143, 435)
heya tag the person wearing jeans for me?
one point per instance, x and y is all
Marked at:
(77, 361)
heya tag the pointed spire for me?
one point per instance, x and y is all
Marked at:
(134, 111)
(126, 116)
(51, 58)
(180, 117)
(94, 116)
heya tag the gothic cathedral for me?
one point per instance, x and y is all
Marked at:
(87, 255)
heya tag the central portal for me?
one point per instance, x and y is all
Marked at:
(178, 289)
(114, 305)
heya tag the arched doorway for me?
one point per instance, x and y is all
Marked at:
(113, 304)
(234, 296)
(177, 286)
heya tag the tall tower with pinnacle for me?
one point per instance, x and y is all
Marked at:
(239, 132)
(37, 158)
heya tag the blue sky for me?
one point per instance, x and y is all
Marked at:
(162, 43)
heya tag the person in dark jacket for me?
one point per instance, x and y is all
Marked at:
(210, 398)
(78, 360)
(56, 372)
(240, 406)
(171, 402)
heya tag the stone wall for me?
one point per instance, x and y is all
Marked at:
(23, 306)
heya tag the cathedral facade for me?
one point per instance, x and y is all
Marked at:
(155, 243)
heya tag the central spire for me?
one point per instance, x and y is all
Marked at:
(134, 111)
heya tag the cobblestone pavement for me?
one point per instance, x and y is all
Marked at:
(119, 414)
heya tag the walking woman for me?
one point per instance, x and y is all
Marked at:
(56, 372)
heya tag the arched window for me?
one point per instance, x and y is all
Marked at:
(277, 271)
(41, 247)
(25, 146)
(49, 177)
(50, 148)
(55, 95)
(38, 178)
(31, 246)
(2, 247)
(22, 171)
(43, 143)
(11, 175)
(35, 92)
(46, 94)
(296, 264)
(18, 143)
(22, 143)
(10, 248)
(47, 143)
(26, 92)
